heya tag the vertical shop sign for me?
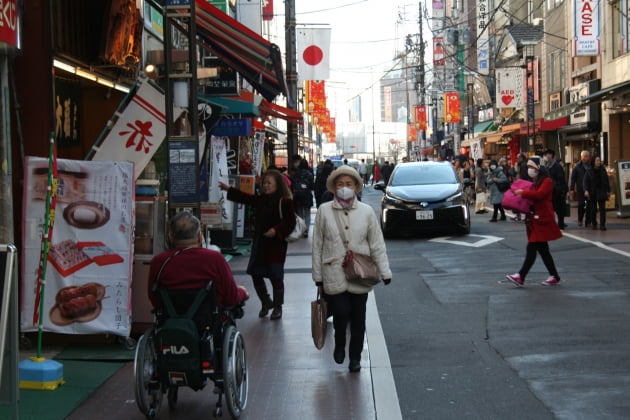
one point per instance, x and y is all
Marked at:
(510, 88)
(452, 112)
(420, 114)
(9, 23)
(586, 27)
(88, 277)
(483, 44)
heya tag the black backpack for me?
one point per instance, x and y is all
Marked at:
(503, 186)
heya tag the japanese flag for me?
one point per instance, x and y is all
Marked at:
(313, 53)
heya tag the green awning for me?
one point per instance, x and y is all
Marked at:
(485, 126)
(232, 106)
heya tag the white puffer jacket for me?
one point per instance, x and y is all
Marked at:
(365, 237)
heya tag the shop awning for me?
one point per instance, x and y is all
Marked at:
(272, 109)
(494, 139)
(599, 96)
(253, 105)
(252, 56)
(232, 105)
(485, 126)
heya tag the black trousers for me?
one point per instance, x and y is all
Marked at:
(593, 207)
(349, 308)
(583, 210)
(558, 200)
(541, 248)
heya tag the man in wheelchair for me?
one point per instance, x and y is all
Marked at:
(196, 301)
(191, 267)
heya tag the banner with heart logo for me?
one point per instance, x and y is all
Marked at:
(510, 88)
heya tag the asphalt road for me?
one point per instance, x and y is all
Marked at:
(463, 343)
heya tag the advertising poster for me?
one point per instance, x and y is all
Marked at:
(623, 173)
(88, 273)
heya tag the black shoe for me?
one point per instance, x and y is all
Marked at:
(266, 307)
(563, 226)
(276, 313)
(339, 355)
(492, 220)
(479, 212)
(602, 227)
(354, 366)
(503, 218)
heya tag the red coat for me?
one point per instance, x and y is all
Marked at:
(541, 224)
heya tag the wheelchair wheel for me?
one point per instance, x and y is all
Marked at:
(235, 378)
(148, 389)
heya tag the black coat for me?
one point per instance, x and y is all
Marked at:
(596, 183)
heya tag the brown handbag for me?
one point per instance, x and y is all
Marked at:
(359, 269)
(319, 313)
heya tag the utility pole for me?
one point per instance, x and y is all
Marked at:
(292, 128)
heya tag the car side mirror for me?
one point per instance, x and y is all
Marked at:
(380, 185)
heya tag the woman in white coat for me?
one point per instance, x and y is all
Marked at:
(346, 300)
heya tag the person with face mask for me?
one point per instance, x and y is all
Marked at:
(274, 221)
(495, 177)
(540, 225)
(362, 231)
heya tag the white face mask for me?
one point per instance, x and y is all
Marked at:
(345, 193)
(493, 167)
(533, 173)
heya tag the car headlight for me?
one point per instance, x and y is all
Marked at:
(454, 197)
(390, 199)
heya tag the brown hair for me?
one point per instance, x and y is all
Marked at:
(283, 188)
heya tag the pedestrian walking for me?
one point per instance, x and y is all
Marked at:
(540, 225)
(302, 186)
(363, 171)
(321, 176)
(481, 189)
(577, 184)
(269, 249)
(376, 173)
(495, 177)
(520, 172)
(597, 191)
(560, 190)
(386, 172)
(363, 234)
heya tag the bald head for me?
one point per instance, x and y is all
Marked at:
(585, 156)
(184, 229)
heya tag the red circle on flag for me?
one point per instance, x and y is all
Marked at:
(313, 55)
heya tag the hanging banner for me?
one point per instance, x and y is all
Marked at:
(452, 111)
(420, 117)
(258, 146)
(586, 27)
(138, 131)
(510, 88)
(267, 10)
(483, 40)
(439, 55)
(219, 165)
(88, 275)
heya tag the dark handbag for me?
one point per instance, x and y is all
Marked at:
(319, 313)
(359, 269)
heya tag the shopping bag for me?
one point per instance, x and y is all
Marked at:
(360, 269)
(515, 202)
(319, 309)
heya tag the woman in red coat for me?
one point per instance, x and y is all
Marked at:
(541, 225)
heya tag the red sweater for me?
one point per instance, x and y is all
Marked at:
(192, 269)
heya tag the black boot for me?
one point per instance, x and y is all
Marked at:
(278, 300)
(267, 303)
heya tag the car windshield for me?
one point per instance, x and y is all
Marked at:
(423, 175)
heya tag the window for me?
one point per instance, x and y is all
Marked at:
(552, 4)
(555, 101)
(557, 70)
(620, 26)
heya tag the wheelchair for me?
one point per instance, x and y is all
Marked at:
(222, 358)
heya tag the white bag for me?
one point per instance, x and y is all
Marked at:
(300, 227)
(298, 232)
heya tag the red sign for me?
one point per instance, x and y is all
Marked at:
(9, 18)
(267, 9)
(420, 117)
(438, 51)
(452, 112)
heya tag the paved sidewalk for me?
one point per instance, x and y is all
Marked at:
(289, 377)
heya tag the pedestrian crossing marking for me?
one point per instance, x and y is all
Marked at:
(485, 240)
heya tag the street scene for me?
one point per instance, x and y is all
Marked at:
(314, 210)
(450, 337)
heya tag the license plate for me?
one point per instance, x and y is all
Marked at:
(424, 215)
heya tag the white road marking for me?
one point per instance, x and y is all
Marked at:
(485, 240)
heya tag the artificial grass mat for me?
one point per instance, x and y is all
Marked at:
(114, 352)
(81, 379)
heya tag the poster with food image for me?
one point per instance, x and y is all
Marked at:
(88, 269)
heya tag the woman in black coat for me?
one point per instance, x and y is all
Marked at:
(596, 191)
